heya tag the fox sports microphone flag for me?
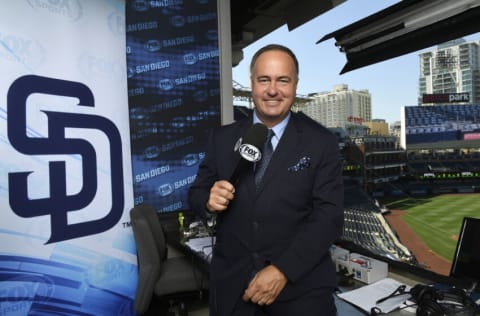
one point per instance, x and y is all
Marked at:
(65, 244)
(250, 149)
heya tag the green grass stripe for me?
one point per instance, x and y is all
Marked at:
(433, 237)
(436, 219)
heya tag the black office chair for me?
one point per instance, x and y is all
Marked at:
(158, 275)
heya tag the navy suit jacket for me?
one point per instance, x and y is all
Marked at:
(290, 222)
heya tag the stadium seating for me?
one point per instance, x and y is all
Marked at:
(365, 226)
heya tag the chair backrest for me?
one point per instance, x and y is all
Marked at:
(151, 251)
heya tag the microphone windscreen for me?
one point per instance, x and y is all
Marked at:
(250, 148)
(256, 135)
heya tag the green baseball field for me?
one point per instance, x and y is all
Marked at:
(437, 219)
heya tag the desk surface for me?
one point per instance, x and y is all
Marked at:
(177, 240)
(346, 305)
(346, 309)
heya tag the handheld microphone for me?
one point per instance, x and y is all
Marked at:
(250, 149)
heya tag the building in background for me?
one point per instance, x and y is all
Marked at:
(374, 162)
(340, 107)
(450, 73)
(396, 128)
(378, 127)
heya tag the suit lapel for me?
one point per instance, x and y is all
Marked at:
(290, 141)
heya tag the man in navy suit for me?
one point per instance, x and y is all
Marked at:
(271, 255)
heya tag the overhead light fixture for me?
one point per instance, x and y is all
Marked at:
(405, 27)
(434, 11)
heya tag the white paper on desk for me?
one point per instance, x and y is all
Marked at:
(207, 251)
(393, 303)
(201, 244)
(367, 296)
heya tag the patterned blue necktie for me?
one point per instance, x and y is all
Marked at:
(262, 165)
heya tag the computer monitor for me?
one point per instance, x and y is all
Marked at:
(466, 261)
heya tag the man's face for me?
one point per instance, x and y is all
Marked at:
(274, 85)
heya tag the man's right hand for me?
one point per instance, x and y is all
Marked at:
(221, 193)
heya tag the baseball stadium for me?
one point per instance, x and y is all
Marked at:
(406, 202)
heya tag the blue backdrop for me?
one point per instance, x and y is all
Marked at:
(174, 95)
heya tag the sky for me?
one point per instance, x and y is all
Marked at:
(392, 83)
